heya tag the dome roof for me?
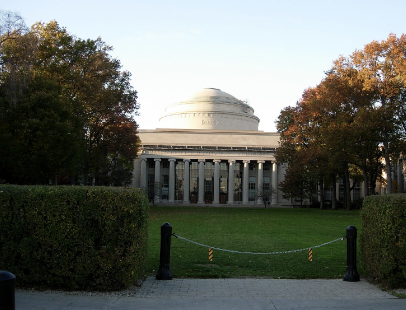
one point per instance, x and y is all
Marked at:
(210, 108)
(214, 95)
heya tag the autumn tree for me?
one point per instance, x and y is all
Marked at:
(382, 67)
(320, 135)
(301, 176)
(352, 120)
(345, 112)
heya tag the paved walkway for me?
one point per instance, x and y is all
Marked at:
(204, 294)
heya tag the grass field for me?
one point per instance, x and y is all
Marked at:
(252, 230)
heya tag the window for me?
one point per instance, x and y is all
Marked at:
(165, 186)
(179, 170)
(223, 185)
(266, 189)
(223, 166)
(208, 170)
(238, 182)
(194, 181)
(251, 189)
(208, 182)
(151, 163)
(151, 186)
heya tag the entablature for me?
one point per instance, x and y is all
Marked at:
(207, 148)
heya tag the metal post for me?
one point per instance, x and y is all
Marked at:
(164, 272)
(351, 274)
(7, 290)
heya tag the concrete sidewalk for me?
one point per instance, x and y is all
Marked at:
(204, 294)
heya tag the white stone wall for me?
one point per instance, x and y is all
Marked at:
(230, 138)
(210, 120)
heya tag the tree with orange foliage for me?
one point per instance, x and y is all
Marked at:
(382, 67)
(324, 133)
(352, 120)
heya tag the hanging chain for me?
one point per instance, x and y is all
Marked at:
(255, 253)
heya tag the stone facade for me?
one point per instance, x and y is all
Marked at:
(209, 166)
(209, 151)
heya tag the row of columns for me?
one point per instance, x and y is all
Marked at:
(216, 185)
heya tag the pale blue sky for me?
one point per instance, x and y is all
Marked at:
(268, 52)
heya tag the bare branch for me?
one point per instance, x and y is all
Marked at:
(11, 25)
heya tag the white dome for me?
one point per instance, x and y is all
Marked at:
(210, 108)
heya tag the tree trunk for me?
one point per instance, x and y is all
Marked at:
(400, 176)
(321, 184)
(387, 163)
(334, 192)
(365, 173)
(347, 196)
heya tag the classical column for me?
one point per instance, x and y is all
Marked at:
(201, 182)
(171, 197)
(186, 182)
(260, 183)
(245, 178)
(275, 183)
(157, 181)
(216, 198)
(143, 173)
(231, 182)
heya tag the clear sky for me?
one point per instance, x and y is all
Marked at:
(268, 52)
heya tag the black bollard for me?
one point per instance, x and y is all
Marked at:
(351, 274)
(164, 272)
(7, 290)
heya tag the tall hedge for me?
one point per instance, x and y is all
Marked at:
(383, 239)
(74, 238)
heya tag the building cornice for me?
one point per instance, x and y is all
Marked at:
(156, 147)
(209, 131)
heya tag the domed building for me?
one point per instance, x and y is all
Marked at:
(209, 151)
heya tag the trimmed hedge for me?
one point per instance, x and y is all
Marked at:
(73, 238)
(383, 239)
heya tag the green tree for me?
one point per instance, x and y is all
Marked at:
(77, 104)
(40, 136)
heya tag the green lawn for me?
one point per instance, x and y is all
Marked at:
(252, 230)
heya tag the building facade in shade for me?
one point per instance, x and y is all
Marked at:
(209, 151)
